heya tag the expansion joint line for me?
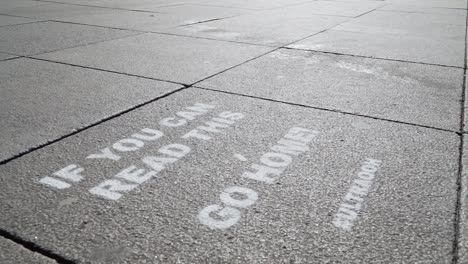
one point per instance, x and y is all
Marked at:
(35, 248)
(461, 185)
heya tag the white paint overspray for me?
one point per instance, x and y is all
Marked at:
(354, 198)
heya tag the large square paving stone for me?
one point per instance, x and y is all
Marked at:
(426, 38)
(174, 58)
(254, 5)
(423, 8)
(405, 23)
(8, 5)
(414, 93)
(409, 48)
(332, 8)
(272, 27)
(236, 179)
(146, 21)
(455, 4)
(143, 5)
(12, 253)
(56, 11)
(196, 13)
(30, 39)
(42, 101)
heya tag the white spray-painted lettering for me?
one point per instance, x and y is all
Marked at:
(268, 170)
(131, 177)
(73, 173)
(133, 143)
(352, 204)
(183, 117)
(214, 126)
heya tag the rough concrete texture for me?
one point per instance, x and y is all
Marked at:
(329, 131)
(35, 38)
(406, 92)
(12, 253)
(43, 101)
(407, 216)
(398, 36)
(173, 58)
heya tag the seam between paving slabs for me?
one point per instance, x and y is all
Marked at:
(459, 183)
(330, 110)
(232, 41)
(35, 248)
(13, 58)
(209, 20)
(135, 33)
(416, 12)
(102, 7)
(103, 70)
(2, 162)
(25, 23)
(256, 9)
(273, 50)
(460, 180)
(4, 14)
(375, 58)
(369, 11)
(166, 33)
(84, 45)
(125, 9)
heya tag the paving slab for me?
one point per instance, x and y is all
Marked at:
(56, 11)
(143, 5)
(396, 35)
(30, 39)
(433, 3)
(146, 21)
(12, 253)
(206, 177)
(414, 93)
(394, 47)
(11, 20)
(404, 23)
(348, 9)
(272, 28)
(423, 9)
(76, 2)
(43, 101)
(6, 5)
(180, 59)
(255, 5)
(195, 13)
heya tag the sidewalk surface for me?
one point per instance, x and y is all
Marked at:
(233, 131)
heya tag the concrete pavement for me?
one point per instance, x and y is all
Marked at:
(232, 131)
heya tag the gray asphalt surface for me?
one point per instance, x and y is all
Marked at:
(233, 131)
